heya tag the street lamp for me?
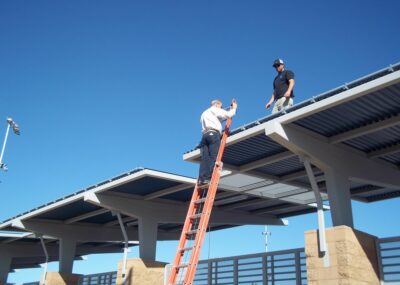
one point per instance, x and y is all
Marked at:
(15, 127)
(266, 233)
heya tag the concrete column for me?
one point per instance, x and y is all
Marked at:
(67, 255)
(5, 266)
(338, 186)
(147, 238)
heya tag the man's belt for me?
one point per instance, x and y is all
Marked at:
(210, 130)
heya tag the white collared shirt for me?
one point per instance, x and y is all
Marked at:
(213, 117)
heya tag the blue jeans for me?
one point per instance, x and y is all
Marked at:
(209, 147)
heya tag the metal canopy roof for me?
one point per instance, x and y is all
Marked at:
(30, 253)
(362, 117)
(151, 190)
(90, 216)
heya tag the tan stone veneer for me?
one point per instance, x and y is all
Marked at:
(142, 272)
(353, 258)
(56, 278)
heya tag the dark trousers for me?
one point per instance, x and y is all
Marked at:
(209, 147)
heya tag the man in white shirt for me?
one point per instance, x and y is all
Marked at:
(211, 124)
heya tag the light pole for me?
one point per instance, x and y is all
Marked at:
(15, 127)
(266, 233)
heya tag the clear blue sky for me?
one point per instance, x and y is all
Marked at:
(100, 87)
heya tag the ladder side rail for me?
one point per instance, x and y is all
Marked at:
(191, 270)
(183, 239)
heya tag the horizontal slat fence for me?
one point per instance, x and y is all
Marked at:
(389, 258)
(287, 267)
(108, 278)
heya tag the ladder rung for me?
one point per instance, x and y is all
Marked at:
(183, 265)
(199, 201)
(192, 232)
(186, 249)
(203, 186)
(196, 216)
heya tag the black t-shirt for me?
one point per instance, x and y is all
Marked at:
(281, 83)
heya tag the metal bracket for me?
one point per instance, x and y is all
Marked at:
(323, 248)
(126, 247)
(43, 278)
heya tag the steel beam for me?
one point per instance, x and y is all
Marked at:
(86, 216)
(384, 151)
(327, 156)
(364, 130)
(168, 191)
(173, 212)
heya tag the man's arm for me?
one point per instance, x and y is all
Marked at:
(290, 88)
(290, 79)
(223, 114)
(270, 101)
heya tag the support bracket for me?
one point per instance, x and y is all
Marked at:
(126, 247)
(323, 248)
(46, 254)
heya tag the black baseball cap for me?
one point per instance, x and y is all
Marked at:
(277, 62)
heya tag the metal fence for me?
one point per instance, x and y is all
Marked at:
(286, 267)
(389, 259)
(107, 278)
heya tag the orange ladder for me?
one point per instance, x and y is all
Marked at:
(196, 222)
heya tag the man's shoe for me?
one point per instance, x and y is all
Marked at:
(203, 182)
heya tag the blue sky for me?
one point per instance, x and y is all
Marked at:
(101, 87)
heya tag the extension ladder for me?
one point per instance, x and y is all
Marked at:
(196, 222)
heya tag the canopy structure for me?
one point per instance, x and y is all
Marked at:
(21, 250)
(350, 135)
(151, 205)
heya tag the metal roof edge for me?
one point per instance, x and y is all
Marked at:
(75, 194)
(80, 193)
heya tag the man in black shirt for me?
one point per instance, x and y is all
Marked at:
(283, 87)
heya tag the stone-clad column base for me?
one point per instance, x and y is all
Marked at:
(353, 258)
(142, 272)
(56, 278)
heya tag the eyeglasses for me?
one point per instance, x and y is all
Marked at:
(277, 65)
